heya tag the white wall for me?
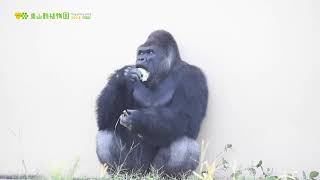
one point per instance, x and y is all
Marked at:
(261, 59)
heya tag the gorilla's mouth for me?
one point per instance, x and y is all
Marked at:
(143, 67)
(144, 73)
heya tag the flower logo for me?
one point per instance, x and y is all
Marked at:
(21, 15)
(18, 15)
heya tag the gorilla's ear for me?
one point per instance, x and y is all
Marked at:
(171, 56)
(164, 66)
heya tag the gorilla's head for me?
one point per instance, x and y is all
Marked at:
(158, 55)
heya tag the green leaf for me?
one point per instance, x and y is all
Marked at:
(271, 178)
(259, 164)
(236, 174)
(313, 174)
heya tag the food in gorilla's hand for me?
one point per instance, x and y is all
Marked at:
(144, 74)
(125, 112)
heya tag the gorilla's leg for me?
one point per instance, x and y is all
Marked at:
(116, 153)
(108, 147)
(181, 156)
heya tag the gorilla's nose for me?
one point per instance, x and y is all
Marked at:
(141, 59)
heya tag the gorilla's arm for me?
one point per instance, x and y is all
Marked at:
(113, 99)
(182, 117)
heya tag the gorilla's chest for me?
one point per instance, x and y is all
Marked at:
(160, 96)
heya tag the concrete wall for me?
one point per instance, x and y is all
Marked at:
(261, 58)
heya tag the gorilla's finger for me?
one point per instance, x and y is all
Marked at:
(140, 136)
(121, 117)
(134, 77)
(127, 69)
(136, 71)
(125, 121)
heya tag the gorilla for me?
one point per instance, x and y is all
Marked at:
(155, 122)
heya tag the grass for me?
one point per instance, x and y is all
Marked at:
(219, 168)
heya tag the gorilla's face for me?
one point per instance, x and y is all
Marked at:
(157, 55)
(151, 58)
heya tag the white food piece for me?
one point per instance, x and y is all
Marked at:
(145, 74)
(125, 112)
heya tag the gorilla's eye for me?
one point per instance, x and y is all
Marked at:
(140, 52)
(149, 51)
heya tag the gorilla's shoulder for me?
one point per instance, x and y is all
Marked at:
(191, 72)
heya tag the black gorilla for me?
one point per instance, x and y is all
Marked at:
(155, 122)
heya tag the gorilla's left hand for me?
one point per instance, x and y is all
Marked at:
(126, 119)
(132, 73)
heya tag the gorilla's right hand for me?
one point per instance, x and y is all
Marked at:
(126, 119)
(132, 73)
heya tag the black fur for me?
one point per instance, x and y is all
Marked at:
(170, 105)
